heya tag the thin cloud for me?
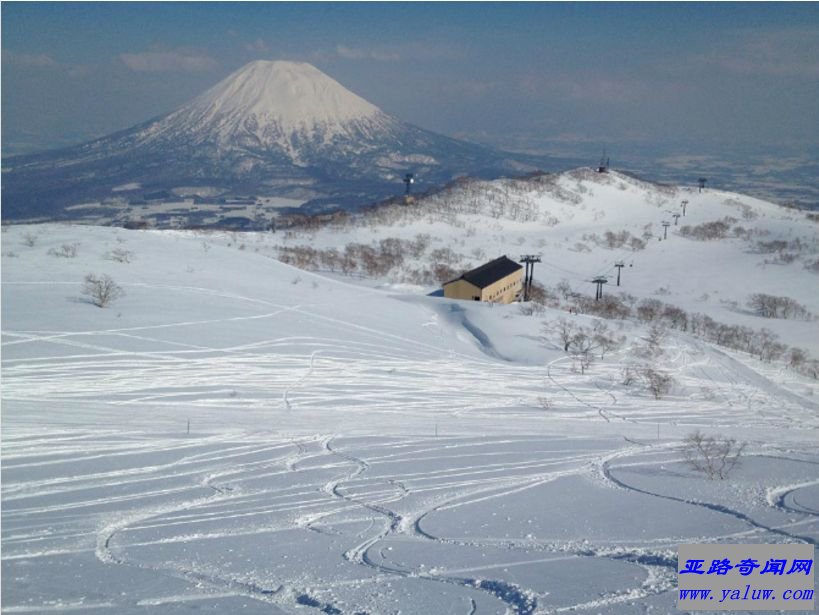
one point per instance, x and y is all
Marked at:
(258, 46)
(39, 60)
(44, 61)
(792, 52)
(594, 88)
(167, 61)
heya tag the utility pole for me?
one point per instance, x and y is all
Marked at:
(665, 229)
(676, 218)
(619, 265)
(599, 280)
(684, 203)
(529, 260)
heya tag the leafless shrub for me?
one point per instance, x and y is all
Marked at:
(608, 306)
(637, 244)
(443, 273)
(30, 240)
(67, 250)
(120, 255)
(532, 308)
(708, 231)
(715, 456)
(564, 288)
(770, 247)
(101, 290)
(655, 338)
(658, 383)
(628, 375)
(649, 310)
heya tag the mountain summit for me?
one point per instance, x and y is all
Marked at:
(271, 128)
(292, 96)
(283, 107)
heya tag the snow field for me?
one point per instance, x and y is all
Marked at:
(353, 450)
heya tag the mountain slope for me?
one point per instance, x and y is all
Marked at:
(582, 223)
(270, 128)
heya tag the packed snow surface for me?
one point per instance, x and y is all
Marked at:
(237, 435)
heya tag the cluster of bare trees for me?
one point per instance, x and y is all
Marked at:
(379, 259)
(708, 231)
(619, 239)
(771, 306)
(763, 343)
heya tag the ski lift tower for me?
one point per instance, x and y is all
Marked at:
(409, 180)
(599, 280)
(603, 167)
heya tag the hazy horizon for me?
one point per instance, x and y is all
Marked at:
(676, 73)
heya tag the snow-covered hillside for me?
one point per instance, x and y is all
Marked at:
(236, 434)
(582, 223)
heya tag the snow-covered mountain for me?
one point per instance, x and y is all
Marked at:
(270, 128)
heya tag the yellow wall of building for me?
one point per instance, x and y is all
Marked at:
(461, 289)
(503, 291)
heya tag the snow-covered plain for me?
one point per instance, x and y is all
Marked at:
(236, 435)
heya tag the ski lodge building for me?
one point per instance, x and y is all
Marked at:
(498, 281)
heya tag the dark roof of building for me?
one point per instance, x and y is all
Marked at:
(491, 272)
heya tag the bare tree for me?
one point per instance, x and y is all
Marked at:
(604, 339)
(714, 456)
(657, 382)
(120, 255)
(628, 375)
(101, 290)
(67, 250)
(563, 329)
(582, 347)
(655, 338)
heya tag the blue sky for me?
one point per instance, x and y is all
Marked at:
(537, 75)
